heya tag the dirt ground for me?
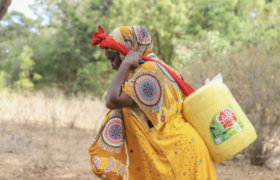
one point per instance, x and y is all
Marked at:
(33, 152)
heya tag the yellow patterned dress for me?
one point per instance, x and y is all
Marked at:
(150, 140)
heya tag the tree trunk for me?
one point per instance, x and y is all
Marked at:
(256, 151)
(4, 4)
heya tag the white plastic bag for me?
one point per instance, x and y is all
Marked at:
(218, 78)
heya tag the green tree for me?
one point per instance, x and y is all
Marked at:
(165, 20)
(68, 55)
(26, 77)
(15, 32)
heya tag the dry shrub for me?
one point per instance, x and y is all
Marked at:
(53, 110)
(253, 77)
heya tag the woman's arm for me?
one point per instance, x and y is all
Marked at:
(116, 98)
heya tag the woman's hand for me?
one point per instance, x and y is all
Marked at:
(132, 59)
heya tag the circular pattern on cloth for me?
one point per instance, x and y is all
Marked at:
(112, 134)
(128, 44)
(147, 89)
(166, 73)
(142, 35)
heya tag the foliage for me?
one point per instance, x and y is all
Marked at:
(69, 57)
(2, 80)
(210, 46)
(166, 21)
(61, 46)
(60, 36)
(25, 80)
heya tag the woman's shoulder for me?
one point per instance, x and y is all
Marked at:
(148, 68)
(148, 65)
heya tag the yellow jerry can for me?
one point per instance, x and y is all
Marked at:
(219, 120)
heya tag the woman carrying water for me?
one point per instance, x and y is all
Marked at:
(145, 136)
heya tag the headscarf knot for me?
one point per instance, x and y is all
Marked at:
(99, 37)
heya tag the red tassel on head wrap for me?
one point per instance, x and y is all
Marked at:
(101, 38)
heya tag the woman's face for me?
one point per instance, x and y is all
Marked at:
(114, 58)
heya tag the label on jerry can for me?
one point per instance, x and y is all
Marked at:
(224, 125)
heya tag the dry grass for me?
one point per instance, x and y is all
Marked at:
(52, 109)
(46, 135)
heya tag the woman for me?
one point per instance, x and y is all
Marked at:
(144, 135)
